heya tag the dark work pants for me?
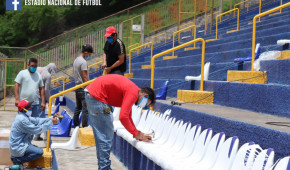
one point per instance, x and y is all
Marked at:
(81, 106)
(117, 72)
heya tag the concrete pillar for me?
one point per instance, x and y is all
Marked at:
(120, 35)
(221, 5)
(142, 28)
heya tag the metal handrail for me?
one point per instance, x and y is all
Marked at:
(189, 23)
(216, 20)
(152, 38)
(137, 44)
(63, 81)
(185, 12)
(193, 27)
(92, 65)
(67, 75)
(218, 12)
(254, 28)
(281, 3)
(150, 43)
(57, 95)
(246, 1)
(177, 48)
(131, 29)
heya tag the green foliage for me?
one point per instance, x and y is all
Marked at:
(36, 23)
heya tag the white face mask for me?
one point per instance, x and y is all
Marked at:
(143, 102)
(29, 113)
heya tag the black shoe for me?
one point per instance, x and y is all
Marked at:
(38, 138)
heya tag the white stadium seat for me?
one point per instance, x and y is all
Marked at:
(283, 164)
(227, 154)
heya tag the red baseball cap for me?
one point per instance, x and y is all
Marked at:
(22, 104)
(110, 30)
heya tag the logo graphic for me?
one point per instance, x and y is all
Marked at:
(13, 5)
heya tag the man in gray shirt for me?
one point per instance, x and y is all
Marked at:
(27, 84)
(80, 70)
(46, 73)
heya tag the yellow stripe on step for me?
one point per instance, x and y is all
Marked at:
(169, 57)
(146, 66)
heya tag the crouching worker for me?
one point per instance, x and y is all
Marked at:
(22, 130)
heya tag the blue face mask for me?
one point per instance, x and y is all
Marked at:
(110, 39)
(32, 69)
(143, 102)
(87, 57)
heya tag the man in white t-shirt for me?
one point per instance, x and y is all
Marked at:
(80, 70)
(27, 84)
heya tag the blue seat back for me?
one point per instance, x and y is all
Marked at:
(163, 91)
(62, 103)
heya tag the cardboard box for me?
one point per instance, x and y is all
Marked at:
(4, 147)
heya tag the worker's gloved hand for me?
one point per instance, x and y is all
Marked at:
(54, 120)
(143, 137)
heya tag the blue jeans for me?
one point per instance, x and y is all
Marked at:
(32, 152)
(103, 129)
(37, 112)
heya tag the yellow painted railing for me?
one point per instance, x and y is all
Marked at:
(67, 74)
(6, 60)
(131, 29)
(246, 1)
(216, 13)
(63, 82)
(159, 36)
(177, 48)
(189, 23)
(281, 3)
(185, 12)
(216, 28)
(95, 64)
(57, 95)
(137, 48)
(254, 27)
(134, 45)
(193, 27)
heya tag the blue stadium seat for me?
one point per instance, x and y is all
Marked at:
(249, 58)
(163, 91)
(62, 102)
(63, 128)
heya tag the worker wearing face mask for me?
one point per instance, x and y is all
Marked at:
(28, 83)
(23, 128)
(118, 91)
(80, 70)
(114, 57)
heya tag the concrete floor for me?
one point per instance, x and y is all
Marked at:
(260, 119)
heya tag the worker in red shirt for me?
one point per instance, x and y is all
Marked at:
(118, 91)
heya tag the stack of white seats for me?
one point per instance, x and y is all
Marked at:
(179, 145)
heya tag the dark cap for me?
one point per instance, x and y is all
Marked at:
(87, 48)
